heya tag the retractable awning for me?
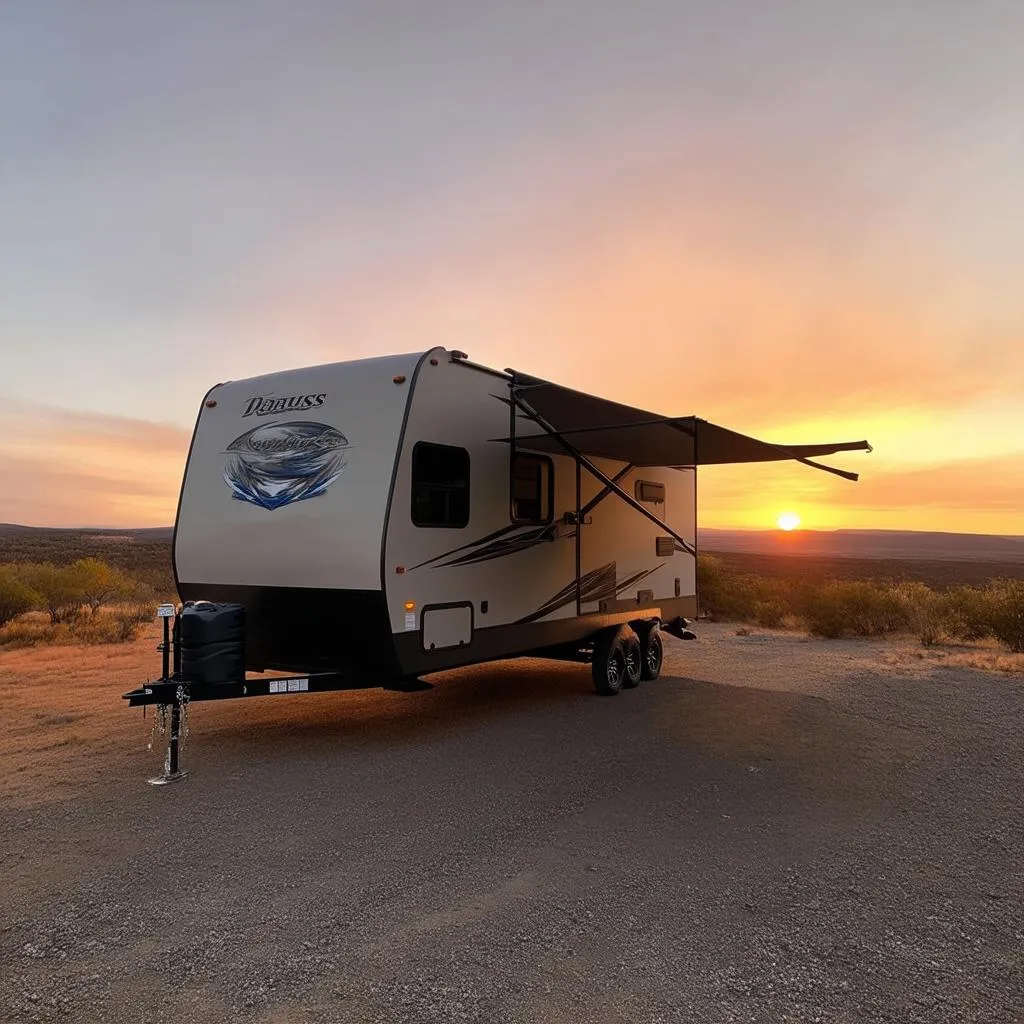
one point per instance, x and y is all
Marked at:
(597, 427)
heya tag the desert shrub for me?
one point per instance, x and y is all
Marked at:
(710, 575)
(16, 596)
(97, 629)
(29, 631)
(734, 598)
(1005, 612)
(59, 590)
(925, 613)
(936, 617)
(132, 616)
(771, 613)
(96, 583)
(836, 608)
(853, 607)
(968, 610)
(772, 601)
(823, 610)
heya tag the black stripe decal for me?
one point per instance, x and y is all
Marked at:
(507, 541)
(594, 586)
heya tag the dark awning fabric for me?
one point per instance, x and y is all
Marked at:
(597, 427)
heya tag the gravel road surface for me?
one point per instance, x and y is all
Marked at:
(776, 830)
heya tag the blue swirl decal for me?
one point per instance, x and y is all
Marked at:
(274, 464)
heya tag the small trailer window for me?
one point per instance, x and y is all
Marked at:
(440, 485)
(532, 487)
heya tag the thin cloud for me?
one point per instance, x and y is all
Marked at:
(34, 423)
(64, 467)
(51, 493)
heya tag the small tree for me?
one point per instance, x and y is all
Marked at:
(16, 597)
(60, 592)
(97, 582)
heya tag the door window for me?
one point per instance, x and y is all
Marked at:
(532, 487)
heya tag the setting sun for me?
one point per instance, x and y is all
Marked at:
(788, 521)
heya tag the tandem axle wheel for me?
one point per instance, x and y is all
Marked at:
(623, 656)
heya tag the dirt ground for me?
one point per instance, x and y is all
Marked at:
(779, 829)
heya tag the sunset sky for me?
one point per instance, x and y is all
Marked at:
(803, 220)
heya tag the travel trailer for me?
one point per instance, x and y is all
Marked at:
(366, 523)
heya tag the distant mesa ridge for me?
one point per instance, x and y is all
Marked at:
(147, 533)
(888, 544)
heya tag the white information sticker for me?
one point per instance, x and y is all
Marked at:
(410, 620)
(165, 611)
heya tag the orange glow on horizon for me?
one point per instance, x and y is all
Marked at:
(788, 521)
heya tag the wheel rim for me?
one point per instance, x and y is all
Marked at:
(614, 672)
(632, 663)
(653, 657)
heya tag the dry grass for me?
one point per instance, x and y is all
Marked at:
(117, 623)
(64, 719)
(866, 608)
(979, 657)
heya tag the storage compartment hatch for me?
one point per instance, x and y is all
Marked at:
(447, 626)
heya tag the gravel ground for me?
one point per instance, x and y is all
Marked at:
(777, 830)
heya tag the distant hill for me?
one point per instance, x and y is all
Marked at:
(882, 544)
(148, 533)
(144, 553)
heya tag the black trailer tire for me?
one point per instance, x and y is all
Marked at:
(652, 653)
(608, 663)
(634, 660)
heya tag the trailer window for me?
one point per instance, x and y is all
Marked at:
(440, 485)
(532, 489)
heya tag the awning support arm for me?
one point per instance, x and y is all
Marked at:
(605, 491)
(845, 474)
(789, 454)
(608, 482)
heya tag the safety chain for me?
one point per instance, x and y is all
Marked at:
(159, 725)
(183, 699)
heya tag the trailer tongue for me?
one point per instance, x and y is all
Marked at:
(203, 654)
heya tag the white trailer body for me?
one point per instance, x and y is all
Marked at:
(385, 518)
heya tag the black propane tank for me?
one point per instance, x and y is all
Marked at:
(212, 642)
